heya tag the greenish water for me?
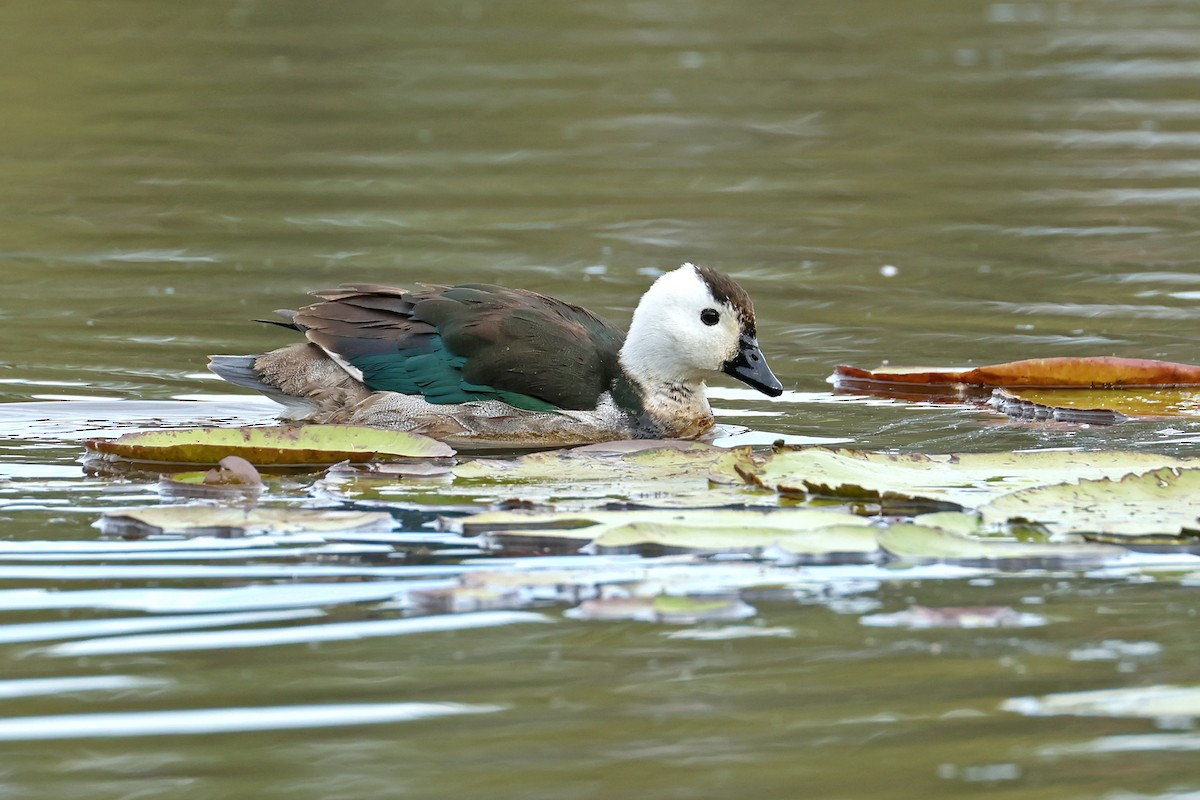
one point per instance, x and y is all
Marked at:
(943, 182)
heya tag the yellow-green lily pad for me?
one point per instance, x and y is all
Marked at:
(921, 543)
(1162, 502)
(846, 542)
(1082, 405)
(653, 473)
(598, 520)
(808, 532)
(277, 445)
(965, 480)
(664, 609)
(611, 462)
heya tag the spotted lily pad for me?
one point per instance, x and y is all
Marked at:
(281, 445)
(1161, 502)
(669, 461)
(654, 473)
(964, 480)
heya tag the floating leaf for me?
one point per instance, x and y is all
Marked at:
(597, 521)
(659, 473)
(232, 521)
(1087, 372)
(233, 478)
(923, 543)
(964, 480)
(924, 617)
(653, 532)
(283, 445)
(1146, 702)
(607, 462)
(849, 541)
(394, 470)
(1162, 501)
(664, 609)
(1097, 406)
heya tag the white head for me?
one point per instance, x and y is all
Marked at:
(691, 324)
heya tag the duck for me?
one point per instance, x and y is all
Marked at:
(477, 362)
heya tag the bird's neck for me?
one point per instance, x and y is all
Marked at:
(664, 409)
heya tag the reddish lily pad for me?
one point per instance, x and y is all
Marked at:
(279, 445)
(1091, 372)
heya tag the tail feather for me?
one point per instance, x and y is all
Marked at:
(240, 371)
(289, 320)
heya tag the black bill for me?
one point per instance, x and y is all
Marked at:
(749, 367)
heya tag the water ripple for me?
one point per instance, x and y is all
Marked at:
(308, 634)
(177, 722)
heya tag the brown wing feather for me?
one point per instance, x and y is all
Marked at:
(515, 341)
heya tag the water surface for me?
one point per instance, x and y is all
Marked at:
(951, 182)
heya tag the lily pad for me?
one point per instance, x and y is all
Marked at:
(657, 473)
(1159, 502)
(664, 609)
(925, 617)
(232, 521)
(846, 542)
(280, 445)
(612, 461)
(598, 521)
(1097, 406)
(1086, 372)
(648, 532)
(963, 480)
(922, 543)
(234, 478)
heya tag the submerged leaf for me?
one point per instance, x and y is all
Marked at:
(285, 445)
(232, 521)
(913, 542)
(1162, 501)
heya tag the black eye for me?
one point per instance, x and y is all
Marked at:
(709, 316)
